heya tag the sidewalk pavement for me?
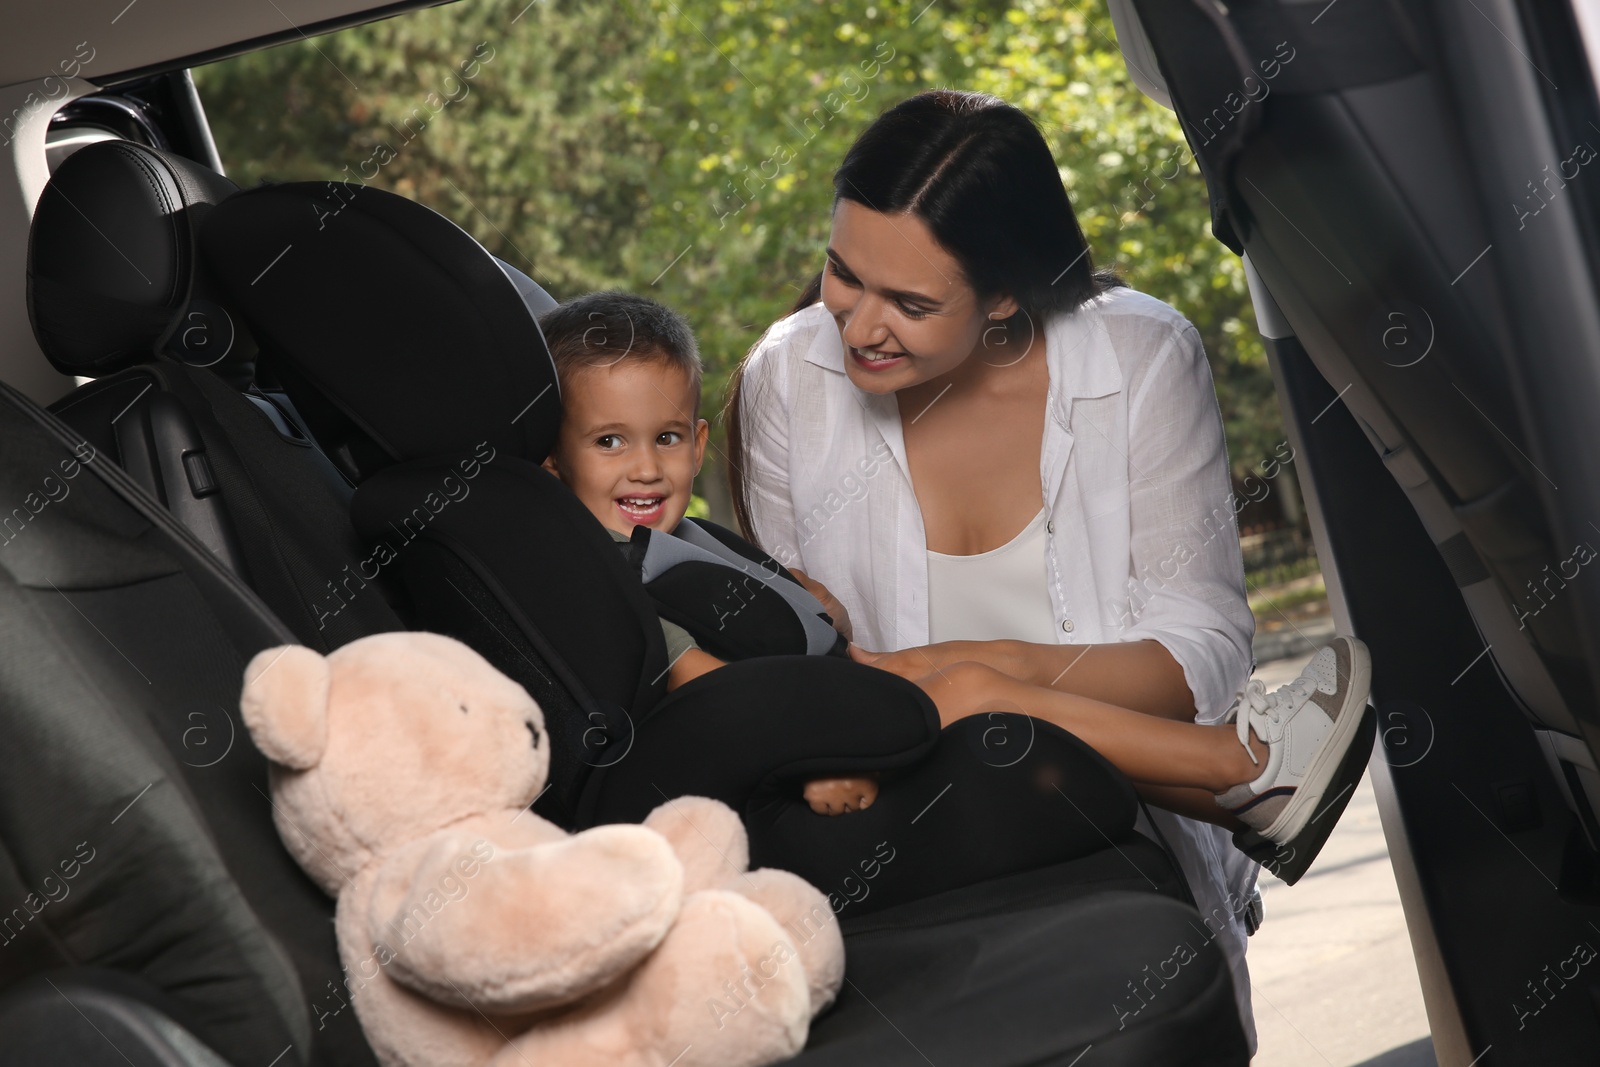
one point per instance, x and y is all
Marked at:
(1332, 977)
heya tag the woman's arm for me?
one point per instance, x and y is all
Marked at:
(1186, 588)
(1141, 675)
(830, 603)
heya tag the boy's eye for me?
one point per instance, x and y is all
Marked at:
(608, 441)
(670, 437)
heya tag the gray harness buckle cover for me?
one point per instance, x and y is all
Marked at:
(707, 602)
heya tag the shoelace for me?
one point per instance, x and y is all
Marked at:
(1257, 707)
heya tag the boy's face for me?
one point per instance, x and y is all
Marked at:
(630, 445)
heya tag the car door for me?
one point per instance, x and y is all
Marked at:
(1411, 184)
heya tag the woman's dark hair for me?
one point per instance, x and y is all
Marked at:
(979, 175)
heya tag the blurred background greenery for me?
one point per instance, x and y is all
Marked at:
(685, 149)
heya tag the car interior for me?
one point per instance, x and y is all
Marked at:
(220, 410)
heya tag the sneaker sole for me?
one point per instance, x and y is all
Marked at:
(1308, 794)
(1291, 859)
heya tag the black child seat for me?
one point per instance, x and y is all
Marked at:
(412, 356)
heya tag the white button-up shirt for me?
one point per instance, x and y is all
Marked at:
(1142, 538)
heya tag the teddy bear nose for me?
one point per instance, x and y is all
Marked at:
(534, 731)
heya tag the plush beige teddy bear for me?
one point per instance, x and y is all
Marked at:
(471, 930)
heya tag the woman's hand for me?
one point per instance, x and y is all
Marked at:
(958, 689)
(913, 663)
(969, 688)
(830, 603)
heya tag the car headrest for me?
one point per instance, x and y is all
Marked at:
(111, 258)
(392, 315)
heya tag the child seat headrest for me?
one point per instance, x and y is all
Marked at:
(112, 258)
(392, 315)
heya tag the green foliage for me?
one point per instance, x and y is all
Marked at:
(509, 128)
(685, 148)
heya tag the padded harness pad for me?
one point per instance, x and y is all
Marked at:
(734, 605)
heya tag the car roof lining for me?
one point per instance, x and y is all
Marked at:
(41, 40)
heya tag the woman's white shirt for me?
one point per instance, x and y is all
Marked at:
(1141, 535)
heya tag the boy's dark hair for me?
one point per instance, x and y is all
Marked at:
(599, 329)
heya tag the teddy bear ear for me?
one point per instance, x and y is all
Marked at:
(285, 705)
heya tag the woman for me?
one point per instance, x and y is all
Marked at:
(966, 434)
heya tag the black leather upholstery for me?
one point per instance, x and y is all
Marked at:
(111, 253)
(135, 829)
(91, 1017)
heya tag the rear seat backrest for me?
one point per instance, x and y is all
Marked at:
(135, 829)
(116, 290)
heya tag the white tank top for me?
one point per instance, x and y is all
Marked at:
(996, 594)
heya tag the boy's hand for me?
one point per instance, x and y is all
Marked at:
(692, 664)
(830, 603)
(839, 796)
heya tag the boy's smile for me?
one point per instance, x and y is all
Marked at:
(630, 445)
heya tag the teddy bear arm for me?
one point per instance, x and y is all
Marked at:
(708, 838)
(535, 926)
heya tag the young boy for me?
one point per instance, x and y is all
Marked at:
(630, 445)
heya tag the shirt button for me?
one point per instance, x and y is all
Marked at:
(1050, 526)
(1067, 625)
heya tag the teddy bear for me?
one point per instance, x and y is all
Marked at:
(472, 931)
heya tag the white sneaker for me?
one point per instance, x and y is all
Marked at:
(1307, 727)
